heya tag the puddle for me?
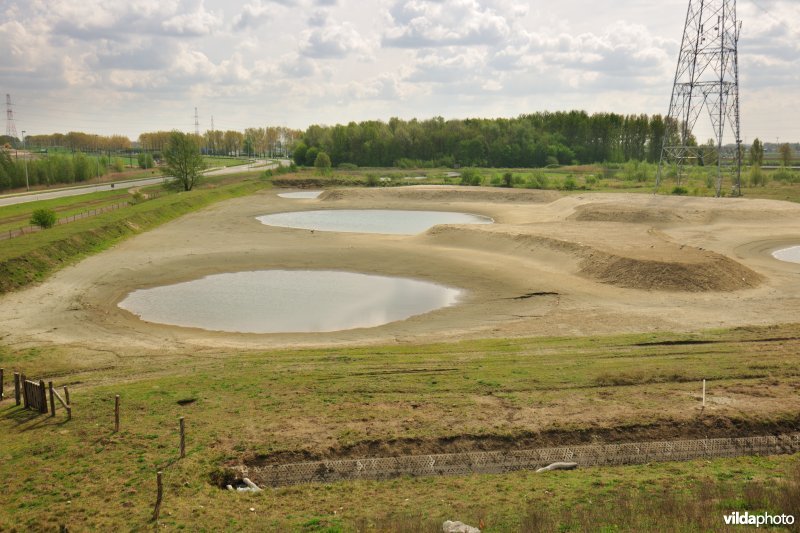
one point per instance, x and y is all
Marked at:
(300, 194)
(791, 255)
(386, 221)
(288, 301)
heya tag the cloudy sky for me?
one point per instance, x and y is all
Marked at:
(141, 65)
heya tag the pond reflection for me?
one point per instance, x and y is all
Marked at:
(288, 301)
(388, 221)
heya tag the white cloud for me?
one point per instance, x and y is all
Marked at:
(333, 40)
(428, 23)
(378, 59)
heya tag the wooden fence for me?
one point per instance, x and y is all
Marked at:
(19, 232)
(33, 395)
(509, 461)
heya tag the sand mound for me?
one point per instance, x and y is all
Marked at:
(442, 194)
(635, 215)
(656, 210)
(655, 264)
(714, 272)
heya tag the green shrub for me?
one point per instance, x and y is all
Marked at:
(508, 179)
(372, 180)
(136, 198)
(569, 184)
(786, 175)
(537, 181)
(347, 166)
(44, 218)
(680, 191)
(145, 160)
(470, 176)
(757, 176)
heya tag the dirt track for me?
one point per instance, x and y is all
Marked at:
(591, 263)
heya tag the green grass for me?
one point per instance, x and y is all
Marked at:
(31, 258)
(338, 400)
(213, 162)
(371, 400)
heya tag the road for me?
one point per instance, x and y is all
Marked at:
(124, 185)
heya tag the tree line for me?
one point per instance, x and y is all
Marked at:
(16, 172)
(255, 142)
(531, 140)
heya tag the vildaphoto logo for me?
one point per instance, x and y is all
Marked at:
(765, 519)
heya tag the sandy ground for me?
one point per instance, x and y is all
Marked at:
(573, 265)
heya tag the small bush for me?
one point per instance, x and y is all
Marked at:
(508, 179)
(786, 175)
(680, 191)
(347, 166)
(537, 181)
(470, 176)
(44, 218)
(136, 198)
(372, 180)
(569, 184)
(757, 176)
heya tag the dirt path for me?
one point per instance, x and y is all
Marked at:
(576, 265)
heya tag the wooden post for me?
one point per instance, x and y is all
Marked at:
(43, 396)
(52, 399)
(183, 438)
(704, 393)
(16, 388)
(159, 495)
(24, 391)
(116, 413)
(69, 403)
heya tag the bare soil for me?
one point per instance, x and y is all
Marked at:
(702, 427)
(599, 263)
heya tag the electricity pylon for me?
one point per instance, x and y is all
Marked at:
(706, 79)
(11, 129)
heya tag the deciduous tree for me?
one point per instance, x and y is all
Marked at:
(183, 159)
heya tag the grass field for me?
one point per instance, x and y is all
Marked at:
(31, 258)
(272, 406)
(382, 400)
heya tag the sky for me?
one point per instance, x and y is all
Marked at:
(126, 67)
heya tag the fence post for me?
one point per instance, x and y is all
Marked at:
(69, 404)
(116, 413)
(43, 395)
(52, 399)
(25, 399)
(2, 384)
(704, 393)
(159, 496)
(183, 438)
(16, 387)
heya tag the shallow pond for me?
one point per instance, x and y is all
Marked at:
(792, 255)
(288, 301)
(300, 194)
(389, 221)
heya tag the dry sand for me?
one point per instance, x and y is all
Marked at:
(551, 265)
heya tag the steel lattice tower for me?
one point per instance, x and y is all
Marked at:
(11, 129)
(706, 79)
